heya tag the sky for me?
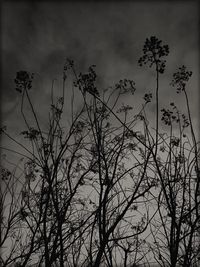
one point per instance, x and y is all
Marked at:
(39, 36)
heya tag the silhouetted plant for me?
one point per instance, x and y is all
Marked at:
(105, 188)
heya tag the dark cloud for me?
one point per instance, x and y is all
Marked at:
(39, 36)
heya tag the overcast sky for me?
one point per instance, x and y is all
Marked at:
(38, 36)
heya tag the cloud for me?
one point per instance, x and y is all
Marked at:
(39, 36)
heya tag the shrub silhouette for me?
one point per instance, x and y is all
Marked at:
(106, 188)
